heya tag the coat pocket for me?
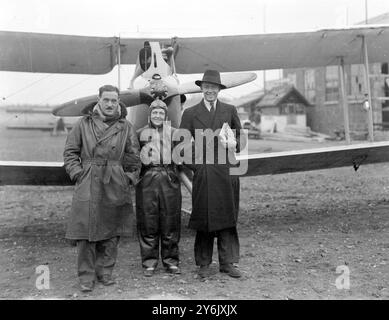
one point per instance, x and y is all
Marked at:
(125, 178)
(82, 188)
(117, 191)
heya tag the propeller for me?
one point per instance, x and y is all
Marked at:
(81, 106)
(157, 89)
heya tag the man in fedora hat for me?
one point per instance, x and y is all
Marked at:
(215, 196)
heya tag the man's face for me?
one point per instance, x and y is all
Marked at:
(109, 102)
(210, 91)
(157, 116)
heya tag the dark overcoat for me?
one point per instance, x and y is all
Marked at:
(101, 206)
(215, 194)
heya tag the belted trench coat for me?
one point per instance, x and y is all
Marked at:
(98, 157)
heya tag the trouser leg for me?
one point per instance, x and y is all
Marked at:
(86, 260)
(203, 247)
(170, 221)
(149, 249)
(106, 254)
(169, 248)
(148, 224)
(236, 189)
(228, 246)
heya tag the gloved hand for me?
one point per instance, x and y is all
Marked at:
(77, 177)
(132, 177)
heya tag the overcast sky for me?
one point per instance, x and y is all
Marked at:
(157, 18)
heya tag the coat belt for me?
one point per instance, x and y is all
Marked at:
(106, 163)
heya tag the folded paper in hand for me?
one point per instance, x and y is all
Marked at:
(226, 132)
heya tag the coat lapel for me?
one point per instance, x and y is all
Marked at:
(105, 133)
(219, 116)
(112, 130)
(202, 114)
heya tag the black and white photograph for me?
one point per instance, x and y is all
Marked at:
(206, 152)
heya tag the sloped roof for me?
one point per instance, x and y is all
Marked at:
(380, 19)
(281, 94)
(248, 98)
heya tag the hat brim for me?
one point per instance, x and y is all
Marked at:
(199, 82)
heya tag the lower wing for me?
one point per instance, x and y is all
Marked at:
(53, 173)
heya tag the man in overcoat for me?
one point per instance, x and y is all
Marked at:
(158, 194)
(102, 157)
(215, 196)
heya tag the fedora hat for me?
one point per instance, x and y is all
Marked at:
(212, 76)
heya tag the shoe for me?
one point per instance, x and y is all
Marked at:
(86, 286)
(231, 270)
(148, 272)
(106, 280)
(173, 270)
(204, 271)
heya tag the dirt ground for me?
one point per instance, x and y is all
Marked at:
(295, 231)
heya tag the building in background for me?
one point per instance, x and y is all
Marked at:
(271, 111)
(321, 85)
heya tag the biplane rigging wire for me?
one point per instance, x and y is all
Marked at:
(41, 79)
(66, 89)
(22, 89)
(53, 96)
(27, 86)
(44, 77)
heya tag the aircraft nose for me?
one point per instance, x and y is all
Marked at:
(158, 89)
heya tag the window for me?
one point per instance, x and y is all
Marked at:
(309, 84)
(291, 108)
(332, 83)
(385, 71)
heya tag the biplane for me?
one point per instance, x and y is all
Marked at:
(159, 60)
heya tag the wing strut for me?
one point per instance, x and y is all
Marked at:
(367, 82)
(118, 61)
(344, 100)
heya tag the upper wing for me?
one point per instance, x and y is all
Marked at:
(56, 53)
(53, 53)
(281, 51)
